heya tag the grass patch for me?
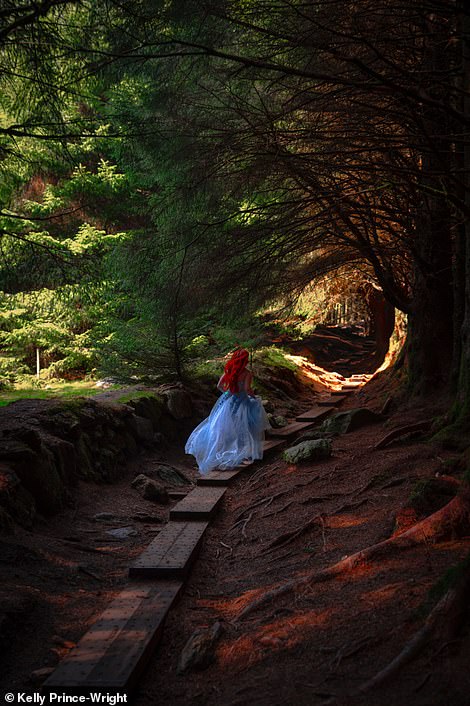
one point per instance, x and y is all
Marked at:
(273, 357)
(129, 396)
(54, 390)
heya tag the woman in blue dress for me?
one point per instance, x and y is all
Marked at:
(234, 430)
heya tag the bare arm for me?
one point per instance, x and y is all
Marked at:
(248, 383)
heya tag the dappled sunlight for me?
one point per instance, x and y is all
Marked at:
(284, 633)
(385, 593)
(343, 521)
(229, 607)
(321, 379)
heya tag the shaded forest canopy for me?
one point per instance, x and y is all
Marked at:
(170, 168)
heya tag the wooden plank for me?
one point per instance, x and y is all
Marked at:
(171, 553)
(200, 504)
(315, 414)
(114, 651)
(331, 401)
(220, 477)
(290, 429)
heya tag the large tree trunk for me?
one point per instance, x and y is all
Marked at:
(462, 363)
(382, 321)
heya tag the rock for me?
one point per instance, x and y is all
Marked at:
(15, 501)
(40, 675)
(150, 407)
(179, 403)
(199, 651)
(104, 516)
(142, 428)
(314, 450)
(150, 489)
(278, 421)
(344, 422)
(106, 382)
(268, 406)
(122, 532)
(167, 474)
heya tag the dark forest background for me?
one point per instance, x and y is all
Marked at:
(171, 171)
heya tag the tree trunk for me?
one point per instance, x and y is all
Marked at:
(382, 321)
(462, 407)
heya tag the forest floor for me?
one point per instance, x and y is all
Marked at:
(322, 641)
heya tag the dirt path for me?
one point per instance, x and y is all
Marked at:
(322, 641)
(332, 636)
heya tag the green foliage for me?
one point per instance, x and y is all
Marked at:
(274, 357)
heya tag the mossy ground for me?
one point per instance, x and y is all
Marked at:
(52, 390)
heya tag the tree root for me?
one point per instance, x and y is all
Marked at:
(451, 520)
(401, 431)
(445, 610)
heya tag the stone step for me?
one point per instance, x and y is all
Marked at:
(350, 386)
(331, 401)
(220, 477)
(200, 504)
(171, 553)
(316, 414)
(114, 651)
(290, 429)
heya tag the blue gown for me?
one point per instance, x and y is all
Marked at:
(232, 433)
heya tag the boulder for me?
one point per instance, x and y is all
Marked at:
(314, 450)
(179, 403)
(151, 408)
(167, 474)
(150, 489)
(142, 428)
(352, 419)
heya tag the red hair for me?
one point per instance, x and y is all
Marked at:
(233, 369)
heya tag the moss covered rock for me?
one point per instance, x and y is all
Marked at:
(313, 450)
(352, 419)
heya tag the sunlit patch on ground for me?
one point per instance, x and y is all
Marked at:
(385, 593)
(340, 521)
(281, 634)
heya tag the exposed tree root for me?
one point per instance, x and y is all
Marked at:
(401, 431)
(444, 612)
(288, 537)
(450, 521)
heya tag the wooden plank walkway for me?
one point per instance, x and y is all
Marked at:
(316, 414)
(200, 504)
(114, 651)
(172, 552)
(217, 477)
(290, 429)
(332, 401)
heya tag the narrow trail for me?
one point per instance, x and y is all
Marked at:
(324, 641)
(316, 644)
